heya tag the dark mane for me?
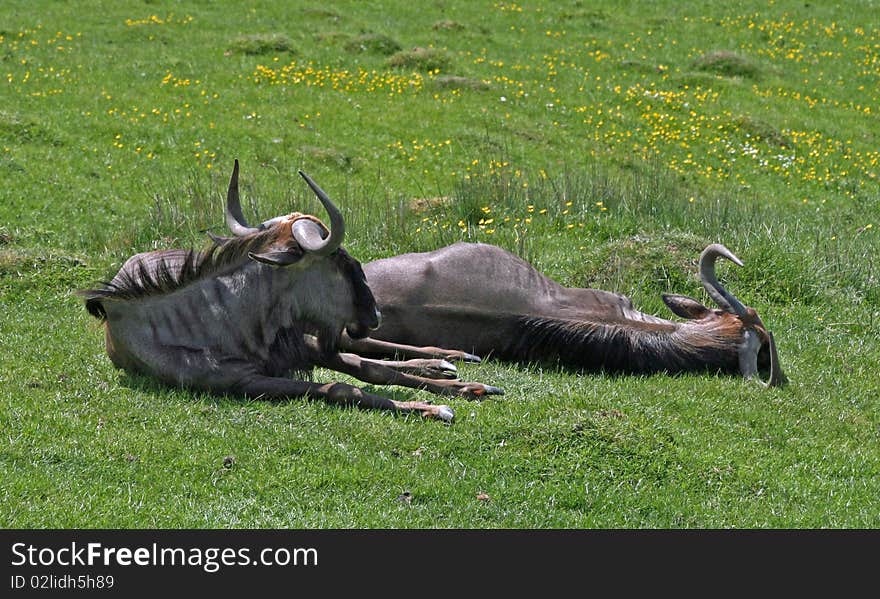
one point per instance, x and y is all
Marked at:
(364, 301)
(145, 280)
(619, 347)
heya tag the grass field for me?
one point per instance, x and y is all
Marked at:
(606, 142)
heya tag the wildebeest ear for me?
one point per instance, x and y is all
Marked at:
(276, 257)
(685, 306)
(218, 239)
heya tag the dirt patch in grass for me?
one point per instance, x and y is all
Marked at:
(262, 43)
(420, 59)
(373, 43)
(11, 261)
(423, 205)
(728, 64)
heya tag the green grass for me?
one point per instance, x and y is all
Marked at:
(607, 144)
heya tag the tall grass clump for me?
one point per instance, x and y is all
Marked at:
(420, 59)
(256, 44)
(728, 64)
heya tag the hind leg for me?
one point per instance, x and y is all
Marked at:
(375, 372)
(426, 368)
(375, 348)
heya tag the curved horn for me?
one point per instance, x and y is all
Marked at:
(725, 300)
(234, 217)
(306, 236)
(776, 376)
(748, 360)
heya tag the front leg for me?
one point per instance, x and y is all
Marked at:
(258, 386)
(375, 372)
(375, 348)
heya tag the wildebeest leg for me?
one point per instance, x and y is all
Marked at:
(428, 368)
(386, 349)
(336, 393)
(377, 373)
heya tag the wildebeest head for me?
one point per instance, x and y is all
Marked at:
(757, 349)
(299, 241)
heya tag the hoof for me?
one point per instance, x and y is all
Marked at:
(479, 391)
(445, 413)
(439, 369)
(447, 367)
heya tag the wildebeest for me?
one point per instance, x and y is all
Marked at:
(482, 299)
(253, 309)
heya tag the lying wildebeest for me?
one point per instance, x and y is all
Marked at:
(482, 299)
(243, 315)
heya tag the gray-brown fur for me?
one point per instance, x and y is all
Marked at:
(482, 299)
(249, 311)
(158, 273)
(191, 319)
